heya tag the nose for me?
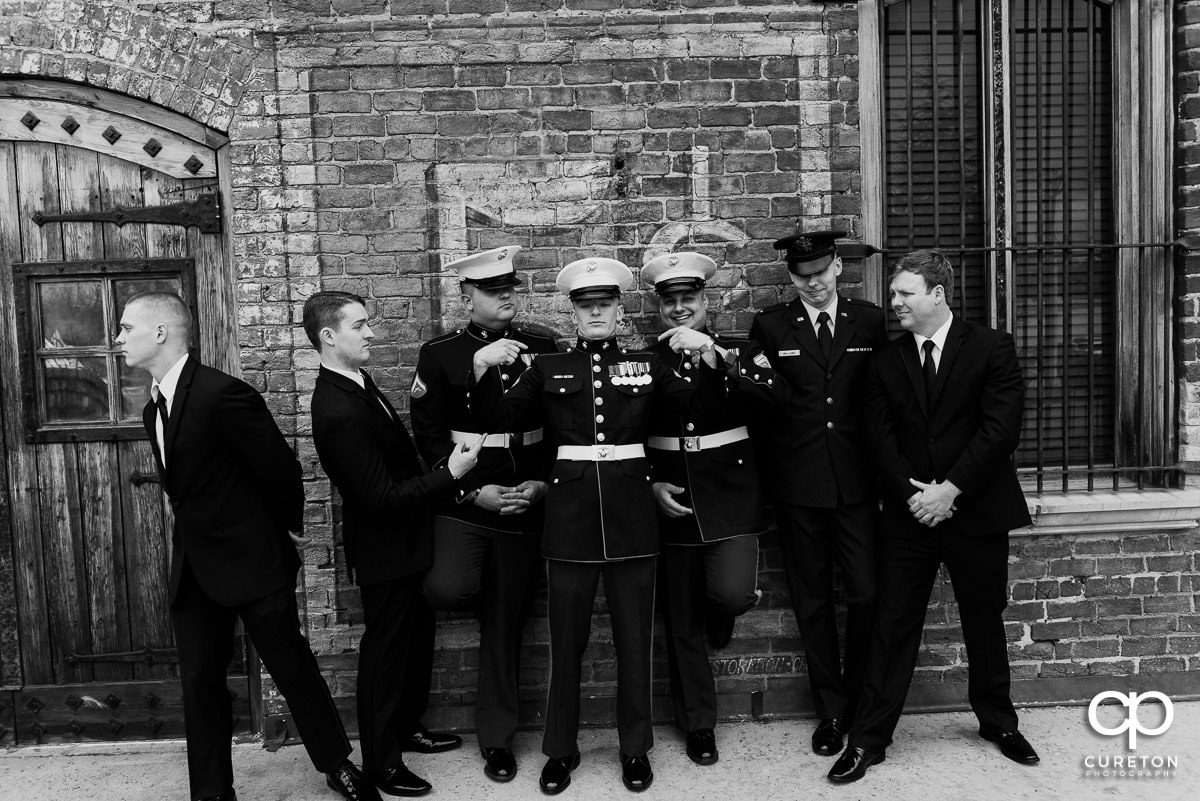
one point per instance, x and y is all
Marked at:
(368, 334)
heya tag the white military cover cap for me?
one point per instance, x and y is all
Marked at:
(674, 272)
(594, 278)
(491, 268)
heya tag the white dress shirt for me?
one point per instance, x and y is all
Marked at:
(166, 388)
(939, 342)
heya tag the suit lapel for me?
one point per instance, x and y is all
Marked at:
(954, 338)
(374, 397)
(183, 390)
(912, 366)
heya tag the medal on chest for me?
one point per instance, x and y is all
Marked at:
(629, 374)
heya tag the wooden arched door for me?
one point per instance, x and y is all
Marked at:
(101, 197)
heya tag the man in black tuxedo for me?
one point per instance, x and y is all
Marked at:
(234, 484)
(387, 518)
(817, 465)
(945, 403)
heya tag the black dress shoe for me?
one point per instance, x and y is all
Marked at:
(556, 774)
(636, 772)
(430, 742)
(1013, 745)
(702, 747)
(499, 764)
(852, 764)
(827, 739)
(401, 782)
(349, 783)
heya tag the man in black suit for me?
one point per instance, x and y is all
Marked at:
(823, 485)
(486, 545)
(387, 516)
(945, 403)
(234, 485)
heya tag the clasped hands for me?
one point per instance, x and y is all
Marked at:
(934, 503)
(510, 500)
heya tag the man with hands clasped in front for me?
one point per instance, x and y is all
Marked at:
(596, 402)
(487, 538)
(944, 404)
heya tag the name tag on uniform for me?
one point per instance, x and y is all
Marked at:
(859, 350)
(789, 352)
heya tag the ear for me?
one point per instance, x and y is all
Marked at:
(326, 336)
(160, 333)
(837, 269)
(939, 294)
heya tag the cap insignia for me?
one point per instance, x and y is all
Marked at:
(804, 244)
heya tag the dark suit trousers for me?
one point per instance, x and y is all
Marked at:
(204, 634)
(571, 592)
(395, 667)
(489, 573)
(813, 540)
(908, 566)
(715, 579)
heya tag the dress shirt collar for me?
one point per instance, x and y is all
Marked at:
(939, 339)
(169, 383)
(813, 313)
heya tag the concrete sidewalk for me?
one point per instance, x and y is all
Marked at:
(935, 756)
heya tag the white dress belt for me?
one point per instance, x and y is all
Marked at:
(702, 443)
(600, 453)
(498, 440)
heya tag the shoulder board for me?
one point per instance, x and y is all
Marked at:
(446, 337)
(861, 302)
(533, 335)
(774, 307)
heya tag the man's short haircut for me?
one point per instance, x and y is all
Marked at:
(168, 308)
(324, 310)
(932, 266)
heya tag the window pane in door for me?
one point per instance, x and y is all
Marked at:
(72, 314)
(124, 289)
(135, 390)
(76, 389)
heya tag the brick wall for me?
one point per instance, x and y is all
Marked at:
(371, 139)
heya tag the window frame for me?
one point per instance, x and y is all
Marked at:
(26, 276)
(1145, 391)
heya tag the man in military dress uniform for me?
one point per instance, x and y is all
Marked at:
(711, 507)
(486, 539)
(823, 486)
(596, 402)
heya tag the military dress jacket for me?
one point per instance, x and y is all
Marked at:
(818, 452)
(603, 396)
(438, 403)
(720, 479)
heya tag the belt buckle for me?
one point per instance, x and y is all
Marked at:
(605, 453)
(691, 444)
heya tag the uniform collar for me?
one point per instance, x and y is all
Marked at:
(487, 334)
(597, 345)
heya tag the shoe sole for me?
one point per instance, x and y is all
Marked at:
(439, 749)
(499, 777)
(556, 790)
(835, 780)
(638, 788)
(703, 760)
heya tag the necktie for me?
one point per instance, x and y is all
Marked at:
(824, 335)
(160, 402)
(929, 369)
